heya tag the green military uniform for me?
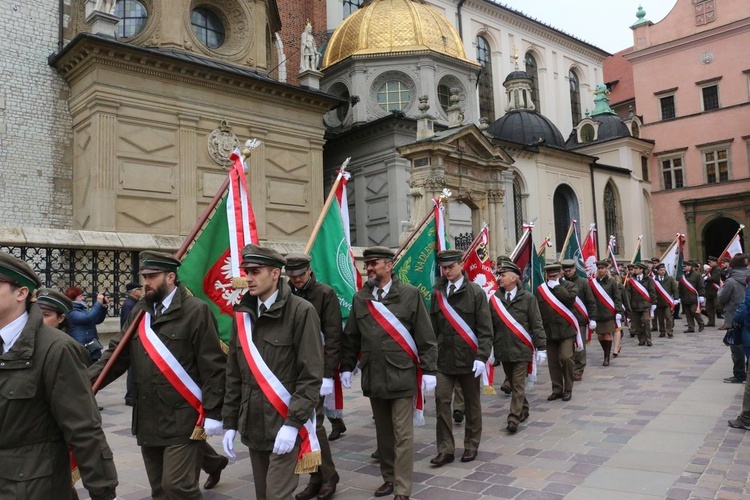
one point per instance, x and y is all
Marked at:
(456, 357)
(689, 300)
(512, 352)
(388, 373)
(589, 302)
(664, 311)
(606, 319)
(712, 285)
(287, 336)
(640, 307)
(163, 420)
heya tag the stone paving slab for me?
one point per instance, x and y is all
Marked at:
(651, 425)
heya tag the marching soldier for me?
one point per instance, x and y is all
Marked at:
(461, 321)
(666, 299)
(520, 340)
(323, 298)
(608, 309)
(642, 302)
(692, 296)
(712, 286)
(584, 309)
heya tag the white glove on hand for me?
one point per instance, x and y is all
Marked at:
(478, 369)
(677, 301)
(326, 387)
(653, 308)
(429, 382)
(701, 300)
(212, 427)
(285, 439)
(592, 325)
(541, 357)
(553, 283)
(346, 379)
(618, 317)
(228, 443)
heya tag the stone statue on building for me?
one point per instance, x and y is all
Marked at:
(308, 51)
(106, 6)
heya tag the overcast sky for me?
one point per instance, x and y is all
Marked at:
(604, 23)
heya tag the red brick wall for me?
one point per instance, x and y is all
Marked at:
(294, 16)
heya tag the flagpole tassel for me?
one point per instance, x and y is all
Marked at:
(199, 434)
(75, 475)
(239, 282)
(309, 463)
(488, 390)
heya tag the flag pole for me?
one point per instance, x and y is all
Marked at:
(197, 228)
(430, 213)
(326, 206)
(670, 246)
(637, 247)
(567, 237)
(474, 243)
(742, 226)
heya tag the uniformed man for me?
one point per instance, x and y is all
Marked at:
(323, 298)
(585, 311)
(556, 300)
(513, 307)
(47, 404)
(180, 329)
(642, 300)
(692, 295)
(652, 274)
(460, 318)
(277, 330)
(608, 308)
(712, 286)
(505, 387)
(666, 298)
(386, 315)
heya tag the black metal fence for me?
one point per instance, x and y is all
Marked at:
(462, 241)
(95, 271)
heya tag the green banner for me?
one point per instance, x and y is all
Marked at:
(416, 265)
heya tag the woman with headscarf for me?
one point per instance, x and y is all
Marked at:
(82, 320)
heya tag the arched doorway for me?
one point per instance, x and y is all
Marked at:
(717, 234)
(565, 206)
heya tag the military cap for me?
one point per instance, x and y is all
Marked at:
(688, 263)
(258, 256)
(712, 258)
(449, 257)
(377, 253)
(642, 265)
(297, 263)
(602, 263)
(568, 263)
(501, 259)
(157, 262)
(660, 265)
(52, 299)
(630, 265)
(554, 267)
(132, 286)
(508, 266)
(654, 260)
(19, 272)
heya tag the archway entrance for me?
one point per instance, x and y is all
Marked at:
(717, 234)
(565, 205)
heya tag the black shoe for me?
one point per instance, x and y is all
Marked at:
(641, 343)
(670, 336)
(128, 402)
(689, 330)
(710, 324)
(329, 487)
(442, 459)
(662, 335)
(554, 396)
(701, 328)
(505, 388)
(215, 476)
(632, 335)
(734, 380)
(310, 492)
(337, 428)
(648, 343)
(567, 395)
(738, 424)
(375, 455)
(458, 416)
(512, 427)
(524, 416)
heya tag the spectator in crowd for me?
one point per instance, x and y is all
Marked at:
(730, 297)
(82, 320)
(55, 307)
(742, 316)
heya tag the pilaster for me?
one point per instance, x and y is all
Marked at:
(187, 173)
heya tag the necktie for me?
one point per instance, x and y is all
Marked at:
(507, 296)
(451, 290)
(158, 309)
(262, 310)
(380, 295)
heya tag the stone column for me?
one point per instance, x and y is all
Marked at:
(690, 234)
(187, 173)
(103, 176)
(256, 175)
(316, 181)
(498, 241)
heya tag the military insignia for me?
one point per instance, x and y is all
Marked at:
(217, 285)
(403, 272)
(221, 143)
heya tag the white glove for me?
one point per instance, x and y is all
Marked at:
(346, 379)
(228, 443)
(701, 300)
(429, 382)
(285, 439)
(592, 325)
(677, 301)
(541, 357)
(478, 369)
(326, 388)
(553, 283)
(618, 317)
(653, 308)
(212, 427)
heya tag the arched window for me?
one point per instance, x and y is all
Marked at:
(565, 207)
(532, 71)
(207, 27)
(587, 133)
(575, 97)
(635, 131)
(132, 15)
(486, 99)
(518, 207)
(611, 215)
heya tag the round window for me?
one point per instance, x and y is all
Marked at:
(394, 95)
(132, 15)
(207, 27)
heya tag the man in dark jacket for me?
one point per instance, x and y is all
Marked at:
(382, 312)
(274, 366)
(608, 308)
(135, 291)
(458, 303)
(584, 302)
(692, 296)
(82, 320)
(666, 295)
(323, 298)
(730, 297)
(642, 302)
(179, 328)
(516, 348)
(712, 284)
(46, 404)
(556, 300)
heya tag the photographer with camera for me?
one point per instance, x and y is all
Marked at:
(83, 320)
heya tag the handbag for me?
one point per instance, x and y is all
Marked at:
(734, 334)
(96, 346)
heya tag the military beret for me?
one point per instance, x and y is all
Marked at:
(554, 267)
(448, 257)
(18, 271)
(712, 258)
(157, 262)
(568, 263)
(132, 286)
(602, 263)
(377, 253)
(52, 299)
(258, 256)
(297, 263)
(508, 266)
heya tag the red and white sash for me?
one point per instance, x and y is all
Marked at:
(457, 322)
(691, 289)
(563, 311)
(604, 298)
(333, 404)
(638, 287)
(391, 324)
(518, 330)
(663, 293)
(309, 454)
(581, 308)
(170, 367)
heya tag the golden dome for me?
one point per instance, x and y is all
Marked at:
(387, 26)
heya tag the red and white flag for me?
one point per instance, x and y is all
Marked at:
(478, 264)
(734, 246)
(611, 251)
(588, 252)
(240, 218)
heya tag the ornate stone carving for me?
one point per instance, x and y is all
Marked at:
(496, 195)
(434, 182)
(221, 143)
(690, 217)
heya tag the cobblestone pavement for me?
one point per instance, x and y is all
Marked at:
(652, 425)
